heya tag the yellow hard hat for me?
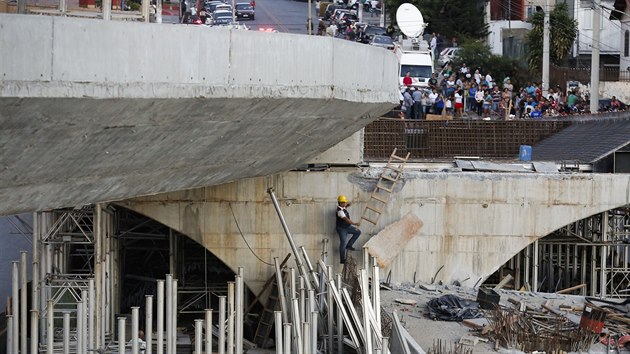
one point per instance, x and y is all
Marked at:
(342, 199)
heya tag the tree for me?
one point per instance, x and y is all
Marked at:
(477, 55)
(451, 18)
(562, 33)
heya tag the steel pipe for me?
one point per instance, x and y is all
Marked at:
(278, 325)
(35, 331)
(50, 327)
(84, 322)
(148, 329)
(239, 312)
(221, 343)
(198, 335)
(10, 333)
(80, 325)
(91, 313)
(23, 303)
(306, 338)
(66, 332)
(280, 284)
(15, 306)
(298, 257)
(287, 338)
(135, 312)
(314, 335)
(160, 317)
(169, 310)
(121, 335)
(208, 331)
(297, 328)
(174, 319)
(230, 326)
(341, 315)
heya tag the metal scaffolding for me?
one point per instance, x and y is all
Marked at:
(592, 254)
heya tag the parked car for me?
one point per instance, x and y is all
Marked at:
(245, 10)
(382, 41)
(223, 7)
(447, 54)
(210, 6)
(371, 31)
(222, 18)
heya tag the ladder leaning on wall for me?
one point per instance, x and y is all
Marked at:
(392, 172)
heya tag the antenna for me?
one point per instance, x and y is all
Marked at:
(410, 20)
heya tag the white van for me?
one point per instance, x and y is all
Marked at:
(418, 62)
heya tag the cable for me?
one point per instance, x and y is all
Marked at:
(243, 236)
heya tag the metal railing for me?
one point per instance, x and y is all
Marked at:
(437, 140)
(560, 75)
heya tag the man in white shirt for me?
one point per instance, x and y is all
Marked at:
(433, 46)
(490, 80)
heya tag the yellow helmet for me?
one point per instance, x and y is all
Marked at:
(342, 199)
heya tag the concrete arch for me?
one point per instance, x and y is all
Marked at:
(473, 222)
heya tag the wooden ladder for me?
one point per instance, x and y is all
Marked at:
(267, 319)
(384, 188)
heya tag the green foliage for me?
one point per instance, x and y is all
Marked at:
(477, 55)
(562, 33)
(450, 18)
(134, 6)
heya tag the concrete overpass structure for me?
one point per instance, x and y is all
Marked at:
(473, 222)
(95, 111)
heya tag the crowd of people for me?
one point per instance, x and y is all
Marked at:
(461, 92)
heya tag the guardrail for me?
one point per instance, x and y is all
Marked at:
(435, 140)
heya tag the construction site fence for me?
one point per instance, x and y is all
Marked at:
(447, 139)
(560, 75)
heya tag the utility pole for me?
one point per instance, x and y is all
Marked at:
(595, 57)
(545, 63)
(309, 22)
(382, 22)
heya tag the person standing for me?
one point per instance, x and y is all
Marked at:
(434, 46)
(345, 226)
(417, 104)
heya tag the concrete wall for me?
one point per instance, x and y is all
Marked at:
(96, 111)
(473, 222)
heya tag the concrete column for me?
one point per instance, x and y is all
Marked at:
(594, 96)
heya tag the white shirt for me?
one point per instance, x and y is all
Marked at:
(432, 97)
(458, 98)
(489, 79)
(433, 43)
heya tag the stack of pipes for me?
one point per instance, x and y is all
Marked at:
(306, 320)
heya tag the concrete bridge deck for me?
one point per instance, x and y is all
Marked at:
(94, 111)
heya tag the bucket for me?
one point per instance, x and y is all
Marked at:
(525, 153)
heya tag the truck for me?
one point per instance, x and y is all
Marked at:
(414, 56)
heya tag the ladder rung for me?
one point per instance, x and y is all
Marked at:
(374, 209)
(399, 158)
(383, 188)
(379, 199)
(368, 220)
(389, 178)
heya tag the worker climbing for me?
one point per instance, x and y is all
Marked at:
(344, 227)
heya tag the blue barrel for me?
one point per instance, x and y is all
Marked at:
(525, 153)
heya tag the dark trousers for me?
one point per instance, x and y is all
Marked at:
(344, 243)
(417, 110)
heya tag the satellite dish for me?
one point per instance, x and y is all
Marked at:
(410, 20)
